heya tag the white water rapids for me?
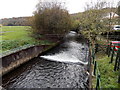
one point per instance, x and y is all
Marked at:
(75, 53)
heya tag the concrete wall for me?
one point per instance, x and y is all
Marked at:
(12, 61)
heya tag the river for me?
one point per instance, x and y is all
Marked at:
(65, 66)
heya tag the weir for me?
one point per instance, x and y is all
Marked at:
(64, 66)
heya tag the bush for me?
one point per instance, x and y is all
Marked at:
(50, 18)
(11, 44)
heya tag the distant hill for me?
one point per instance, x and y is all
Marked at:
(16, 21)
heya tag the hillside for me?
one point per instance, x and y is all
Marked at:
(16, 21)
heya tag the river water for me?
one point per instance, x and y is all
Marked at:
(65, 66)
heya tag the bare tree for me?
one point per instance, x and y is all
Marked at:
(118, 11)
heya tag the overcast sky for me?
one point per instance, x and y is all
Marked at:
(17, 8)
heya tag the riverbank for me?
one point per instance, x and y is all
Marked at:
(108, 77)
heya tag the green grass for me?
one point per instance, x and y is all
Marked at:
(109, 77)
(15, 36)
(15, 33)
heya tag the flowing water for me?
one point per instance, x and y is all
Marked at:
(65, 66)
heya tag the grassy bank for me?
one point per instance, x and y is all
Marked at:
(109, 77)
(15, 36)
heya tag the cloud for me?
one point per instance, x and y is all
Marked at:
(17, 8)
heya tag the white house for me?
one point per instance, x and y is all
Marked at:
(110, 15)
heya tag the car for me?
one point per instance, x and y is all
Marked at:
(116, 27)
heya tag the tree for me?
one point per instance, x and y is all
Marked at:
(91, 20)
(50, 18)
(118, 10)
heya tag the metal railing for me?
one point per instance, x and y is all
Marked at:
(114, 54)
(96, 71)
(111, 52)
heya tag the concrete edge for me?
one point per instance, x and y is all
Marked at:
(19, 62)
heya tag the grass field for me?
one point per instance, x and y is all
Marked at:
(15, 33)
(16, 36)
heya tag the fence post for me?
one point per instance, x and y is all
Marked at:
(119, 77)
(98, 82)
(112, 55)
(109, 49)
(116, 61)
(95, 67)
(96, 48)
(93, 56)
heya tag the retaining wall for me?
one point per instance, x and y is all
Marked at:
(12, 61)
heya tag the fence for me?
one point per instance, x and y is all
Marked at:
(114, 37)
(113, 51)
(96, 71)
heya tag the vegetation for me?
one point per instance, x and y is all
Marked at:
(93, 21)
(15, 33)
(118, 8)
(18, 21)
(93, 24)
(118, 11)
(108, 75)
(13, 37)
(50, 18)
(16, 36)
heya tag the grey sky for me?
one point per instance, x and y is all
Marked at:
(17, 8)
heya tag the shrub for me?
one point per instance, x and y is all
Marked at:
(50, 18)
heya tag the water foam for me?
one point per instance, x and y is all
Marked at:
(62, 57)
(73, 54)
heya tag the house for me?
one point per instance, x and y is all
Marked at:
(110, 15)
